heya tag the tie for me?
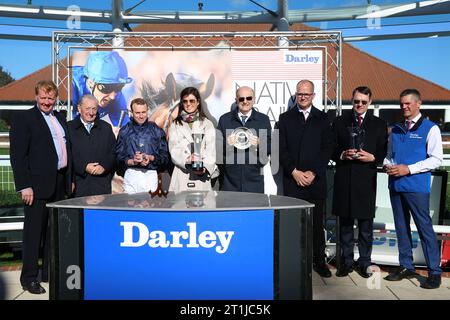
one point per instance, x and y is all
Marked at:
(409, 125)
(302, 117)
(62, 143)
(244, 118)
(359, 121)
(89, 127)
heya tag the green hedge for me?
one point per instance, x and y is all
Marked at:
(10, 198)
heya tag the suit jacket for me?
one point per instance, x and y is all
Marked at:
(306, 146)
(244, 177)
(96, 146)
(355, 182)
(33, 155)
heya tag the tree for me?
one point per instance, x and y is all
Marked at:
(5, 77)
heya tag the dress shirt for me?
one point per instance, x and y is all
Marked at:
(240, 114)
(306, 112)
(58, 147)
(86, 123)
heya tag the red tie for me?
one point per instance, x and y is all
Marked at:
(359, 121)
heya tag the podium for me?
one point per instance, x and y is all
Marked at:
(212, 245)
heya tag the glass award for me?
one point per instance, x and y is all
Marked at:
(356, 135)
(140, 149)
(196, 150)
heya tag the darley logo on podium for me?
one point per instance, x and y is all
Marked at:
(220, 240)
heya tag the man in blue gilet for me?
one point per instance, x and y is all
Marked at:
(414, 149)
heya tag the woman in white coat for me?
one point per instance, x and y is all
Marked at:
(192, 123)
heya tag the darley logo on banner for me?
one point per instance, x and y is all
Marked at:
(178, 255)
(274, 76)
(302, 57)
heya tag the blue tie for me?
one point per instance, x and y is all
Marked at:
(244, 118)
(89, 127)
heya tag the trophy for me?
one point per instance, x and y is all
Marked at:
(140, 149)
(242, 137)
(197, 150)
(195, 199)
(356, 139)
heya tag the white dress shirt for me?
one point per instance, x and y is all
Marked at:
(306, 112)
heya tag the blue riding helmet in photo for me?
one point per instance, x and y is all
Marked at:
(106, 68)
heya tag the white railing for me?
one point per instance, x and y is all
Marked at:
(6, 175)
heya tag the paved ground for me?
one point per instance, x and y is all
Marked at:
(352, 287)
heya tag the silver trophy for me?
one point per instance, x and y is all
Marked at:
(356, 139)
(197, 150)
(242, 137)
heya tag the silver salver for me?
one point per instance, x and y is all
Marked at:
(242, 137)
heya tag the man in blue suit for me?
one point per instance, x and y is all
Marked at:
(40, 159)
(415, 148)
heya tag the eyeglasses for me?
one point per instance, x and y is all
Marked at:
(306, 95)
(242, 99)
(191, 101)
(110, 87)
(363, 102)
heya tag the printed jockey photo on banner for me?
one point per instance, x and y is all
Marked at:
(115, 78)
(104, 75)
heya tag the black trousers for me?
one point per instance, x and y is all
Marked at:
(318, 231)
(36, 234)
(365, 239)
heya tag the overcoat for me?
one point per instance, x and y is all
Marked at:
(306, 146)
(96, 146)
(355, 182)
(180, 148)
(237, 175)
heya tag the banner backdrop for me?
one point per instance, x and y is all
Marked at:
(117, 77)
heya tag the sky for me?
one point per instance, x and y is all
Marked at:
(428, 58)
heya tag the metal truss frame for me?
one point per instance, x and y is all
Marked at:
(65, 42)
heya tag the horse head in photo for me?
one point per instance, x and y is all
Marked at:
(163, 101)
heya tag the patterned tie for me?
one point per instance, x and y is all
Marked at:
(89, 127)
(62, 143)
(359, 120)
(243, 118)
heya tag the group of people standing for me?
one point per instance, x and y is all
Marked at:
(408, 153)
(52, 159)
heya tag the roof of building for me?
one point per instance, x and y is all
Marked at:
(359, 68)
